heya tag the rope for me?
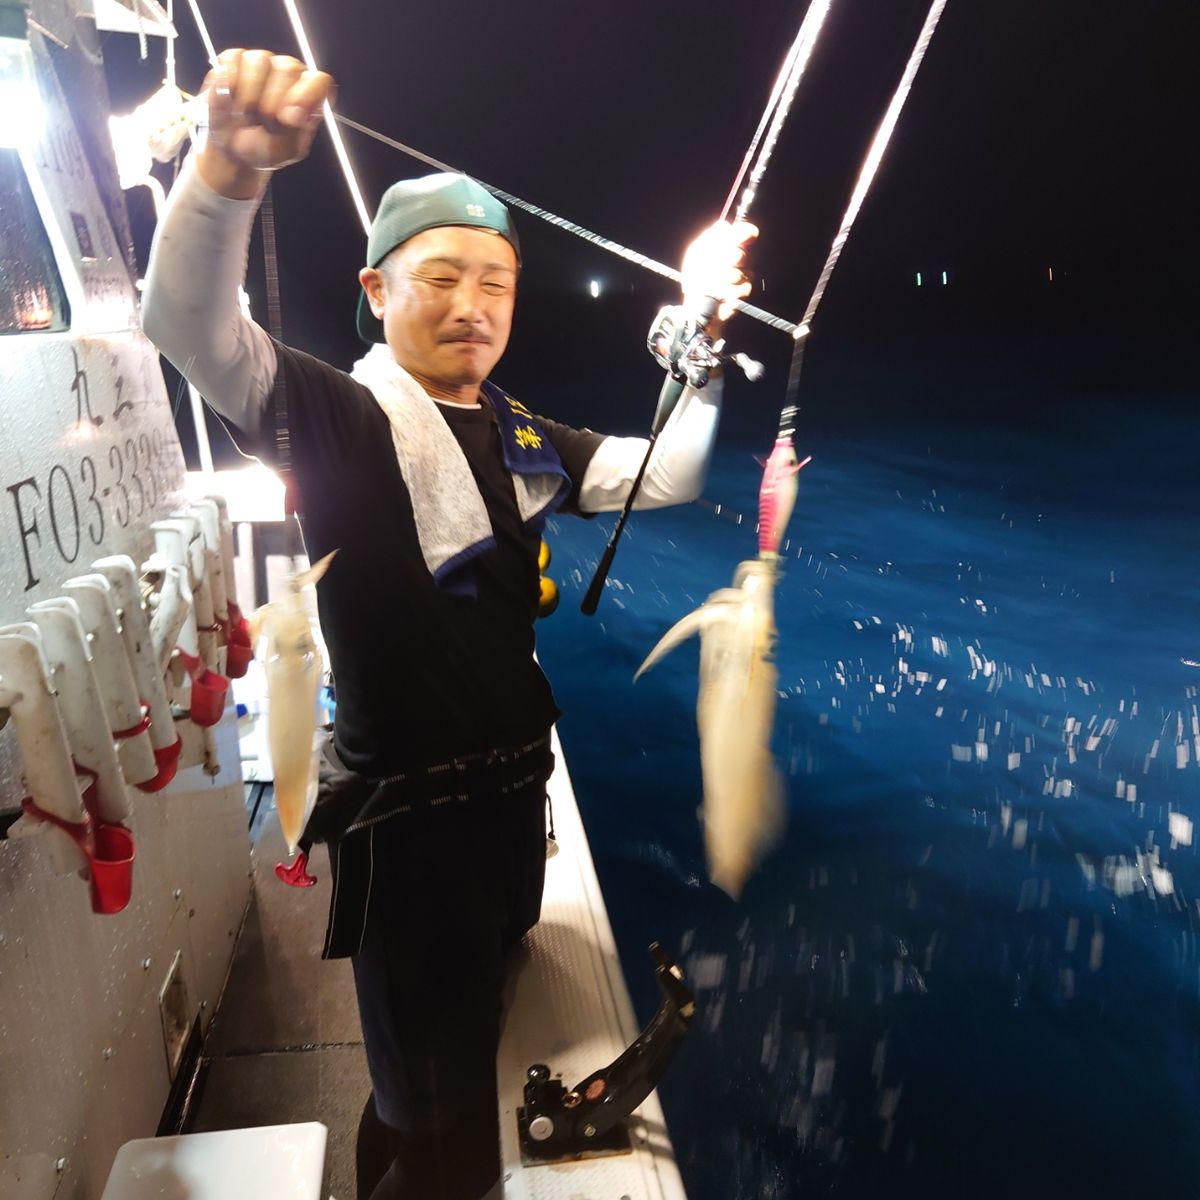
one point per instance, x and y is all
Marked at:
(866, 177)
(143, 48)
(588, 235)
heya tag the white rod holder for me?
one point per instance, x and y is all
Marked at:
(28, 694)
(114, 673)
(81, 702)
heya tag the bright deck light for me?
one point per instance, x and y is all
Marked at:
(594, 288)
(21, 110)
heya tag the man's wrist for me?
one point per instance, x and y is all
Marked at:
(228, 177)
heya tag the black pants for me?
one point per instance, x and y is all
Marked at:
(454, 889)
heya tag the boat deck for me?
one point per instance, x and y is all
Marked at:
(285, 1043)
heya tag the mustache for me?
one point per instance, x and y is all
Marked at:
(466, 335)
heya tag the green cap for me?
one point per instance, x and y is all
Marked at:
(414, 205)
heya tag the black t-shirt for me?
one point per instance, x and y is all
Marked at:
(421, 675)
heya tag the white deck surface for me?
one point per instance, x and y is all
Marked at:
(571, 1010)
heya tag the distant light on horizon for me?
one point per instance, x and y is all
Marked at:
(918, 279)
(594, 288)
(945, 278)
(1050, 271)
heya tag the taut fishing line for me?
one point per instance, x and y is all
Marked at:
(866, 177)
(778, 106)
(596, 239)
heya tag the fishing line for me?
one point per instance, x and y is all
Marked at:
(335, 134)
(169, 46)
(283, 446)
(202, 29)
(866, 177)
(588, 235)
(778, 107)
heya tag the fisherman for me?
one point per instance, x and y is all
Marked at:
(433, 485)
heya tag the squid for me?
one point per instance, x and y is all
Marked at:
(743, 809)
(293, 668)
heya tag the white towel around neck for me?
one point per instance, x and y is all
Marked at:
(451, 519)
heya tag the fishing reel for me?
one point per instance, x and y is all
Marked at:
(681, 346)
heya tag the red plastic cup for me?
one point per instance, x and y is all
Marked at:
(112, 868)
(208, 697)
(237, 659)
(168, 763)
(240, 648)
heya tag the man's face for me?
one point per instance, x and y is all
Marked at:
(445, 298)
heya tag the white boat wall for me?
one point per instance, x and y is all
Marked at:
(93, 1007)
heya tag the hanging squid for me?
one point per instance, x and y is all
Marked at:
(735, 707)
(293, 670)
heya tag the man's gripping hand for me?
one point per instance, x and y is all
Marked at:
(714, 265)
(264, 110)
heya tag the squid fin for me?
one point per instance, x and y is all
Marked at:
(315, 572)
(696, 621)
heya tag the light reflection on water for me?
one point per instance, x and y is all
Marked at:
(971, 969)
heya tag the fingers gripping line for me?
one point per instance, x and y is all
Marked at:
(264, 109)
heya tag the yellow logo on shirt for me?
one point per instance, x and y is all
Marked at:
(518, 407)
(528, 438)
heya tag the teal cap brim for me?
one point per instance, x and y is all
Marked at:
(414, 205)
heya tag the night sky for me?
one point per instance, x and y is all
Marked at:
(1039, 135)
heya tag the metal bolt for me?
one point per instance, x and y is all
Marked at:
(108, 1053)
(589, 1131)
(541, 1128)
(178, 892)
(146, 964)
(60, 1165)
(203, 1003)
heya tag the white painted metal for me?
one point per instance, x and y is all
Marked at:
(570, 1009)
(88, 459)
(273, 1162)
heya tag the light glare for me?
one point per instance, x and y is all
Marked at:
(21, 109)
(594, 288)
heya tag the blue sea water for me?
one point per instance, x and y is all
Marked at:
(970, 969)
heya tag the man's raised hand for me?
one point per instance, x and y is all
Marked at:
(264, 110)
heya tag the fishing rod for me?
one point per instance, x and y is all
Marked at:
(783, 455)
(682, 345)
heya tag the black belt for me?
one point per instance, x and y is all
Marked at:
(350, 806)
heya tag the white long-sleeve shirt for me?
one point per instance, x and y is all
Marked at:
(191, 312)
